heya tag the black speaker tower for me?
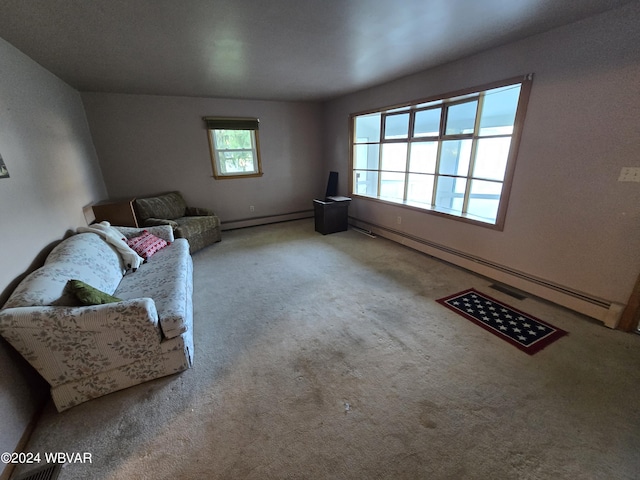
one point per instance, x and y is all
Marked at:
(332, 185)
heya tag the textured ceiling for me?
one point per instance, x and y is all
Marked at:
(266, 49)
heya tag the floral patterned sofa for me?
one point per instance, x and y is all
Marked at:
(85, 351)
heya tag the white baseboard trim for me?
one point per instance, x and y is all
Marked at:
(266, 219)
(603, 310)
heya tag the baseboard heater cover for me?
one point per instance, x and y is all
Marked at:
(368, 233)
(508, 291)
(265, 219)
(603, 310)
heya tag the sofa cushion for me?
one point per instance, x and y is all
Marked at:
(146, 244)
(167, 278)
(163, 231)
(87, 295)
(86, 257)
(168, 206)
(152, 222)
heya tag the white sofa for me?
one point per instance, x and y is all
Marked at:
(88, 351)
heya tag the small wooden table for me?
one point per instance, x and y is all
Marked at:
(116, 212)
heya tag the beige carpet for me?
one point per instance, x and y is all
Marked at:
(326, 357)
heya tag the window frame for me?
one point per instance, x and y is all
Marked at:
(444, 102)
(233, 123)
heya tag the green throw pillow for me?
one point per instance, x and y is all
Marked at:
(89, 295)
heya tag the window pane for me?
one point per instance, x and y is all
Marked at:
(484, 199)
(365, 183)
(420, 188)
(450, 194)
(449, 154)
(366, 156)
(392, 185)
(368, 128)
(237, 162)
(455, 156)
(427, 123)
(491, 158)
(499, 110)
(394, 156)
(423, 157)
(233, 139)
(396, 126)
(461, 118)
(234, 152)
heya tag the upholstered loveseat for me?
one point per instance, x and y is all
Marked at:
(85, 351)
(200, 226)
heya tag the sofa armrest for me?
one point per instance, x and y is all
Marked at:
(69, 343)
(199, 212)
(162, 231)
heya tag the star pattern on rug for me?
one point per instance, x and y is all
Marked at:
(502, 319)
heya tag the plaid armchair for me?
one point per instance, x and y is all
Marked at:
(200, 226)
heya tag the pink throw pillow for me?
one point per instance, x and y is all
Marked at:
(146, 244)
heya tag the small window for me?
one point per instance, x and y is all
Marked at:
(234, 147)
(453, 154)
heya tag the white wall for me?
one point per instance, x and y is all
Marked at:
(46, 145)
(151, 144)
(569, 220)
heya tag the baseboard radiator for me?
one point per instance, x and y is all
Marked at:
(265, 219)
(607, 312)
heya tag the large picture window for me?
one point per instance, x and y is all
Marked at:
(234, 147)
(451, 155)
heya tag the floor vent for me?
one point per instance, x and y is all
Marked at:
(368, 233)
(508, 291)
(47, 472)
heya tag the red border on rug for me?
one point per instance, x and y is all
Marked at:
(532, 349)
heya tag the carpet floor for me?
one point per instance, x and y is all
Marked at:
(327, 357)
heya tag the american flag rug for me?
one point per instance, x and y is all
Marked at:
(528, 333)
